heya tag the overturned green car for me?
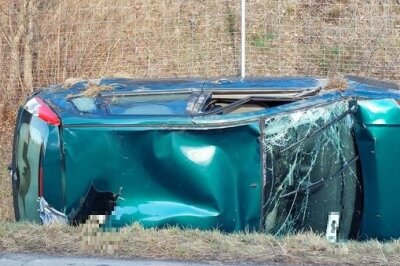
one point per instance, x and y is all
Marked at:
(276, 155)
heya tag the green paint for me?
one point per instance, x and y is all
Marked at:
(192, 178)
(377, 134)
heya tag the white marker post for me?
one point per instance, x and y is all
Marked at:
(332, 227)
(243, 39)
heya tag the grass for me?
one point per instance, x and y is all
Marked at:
(336, 83)
(263, 41)
(6, 129)
(6, 211)
(196, 245)
(92, 89)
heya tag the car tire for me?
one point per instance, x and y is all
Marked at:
(15, 190)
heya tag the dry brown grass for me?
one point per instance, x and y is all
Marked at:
(93, 88)
(150, 39)
(336, 83)
(69, 82)
(6, 136)
(174, 243)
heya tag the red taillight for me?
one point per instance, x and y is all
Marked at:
(39, 108)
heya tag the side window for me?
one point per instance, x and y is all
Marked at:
(84, 104)
(152, 104)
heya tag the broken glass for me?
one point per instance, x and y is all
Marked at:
(307, 171)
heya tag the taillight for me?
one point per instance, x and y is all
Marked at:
(39, 108)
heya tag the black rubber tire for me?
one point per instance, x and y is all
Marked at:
(15, 191)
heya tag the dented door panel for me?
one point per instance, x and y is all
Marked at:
(195, 178)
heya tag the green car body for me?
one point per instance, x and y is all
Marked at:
(276, 155)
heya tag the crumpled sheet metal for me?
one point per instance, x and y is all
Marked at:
(49, 215)
(320, 156)
(191, 178)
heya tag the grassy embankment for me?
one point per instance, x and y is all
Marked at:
(173, 243)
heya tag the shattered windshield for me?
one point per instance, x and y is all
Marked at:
(309, 173)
